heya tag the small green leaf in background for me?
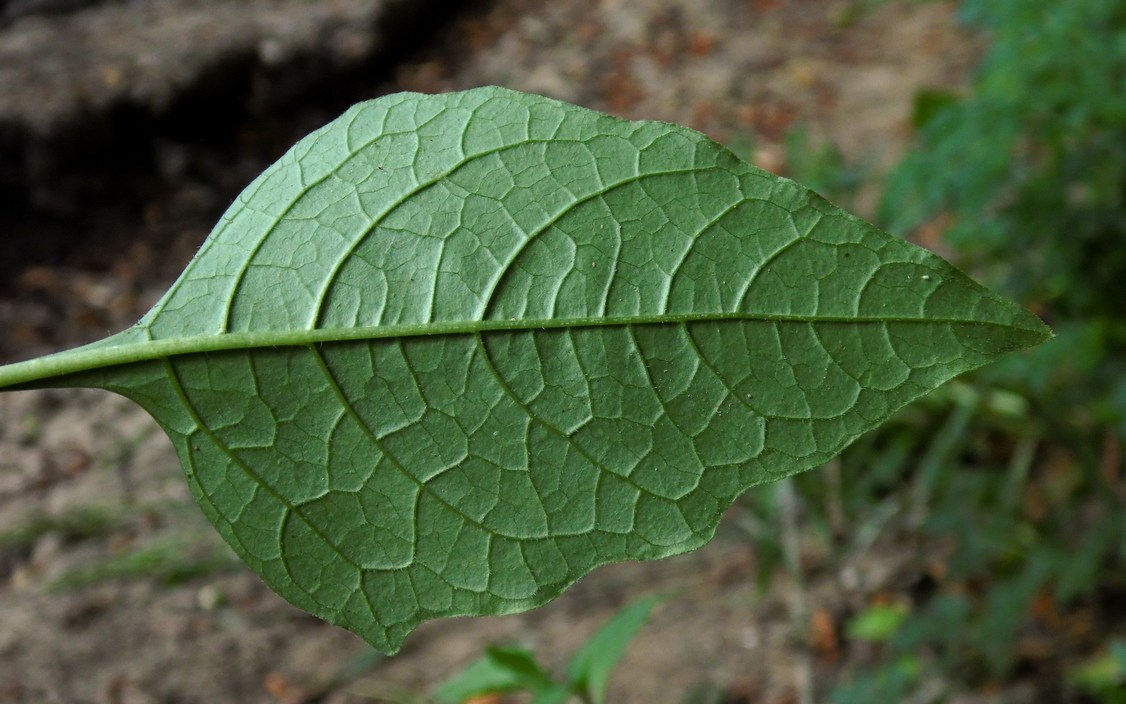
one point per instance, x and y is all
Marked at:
(452, 352)
(590, 667)
(484, 676)
(522, 664)
(1105, 675)
(512, 668)
(893, 683)
(502, 669)
(877, 623)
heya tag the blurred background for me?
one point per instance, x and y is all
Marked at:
(973, 550)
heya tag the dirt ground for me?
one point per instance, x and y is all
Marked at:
(115, 590)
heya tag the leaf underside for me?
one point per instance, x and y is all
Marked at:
(452, 352)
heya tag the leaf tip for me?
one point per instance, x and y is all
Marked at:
(1038, 332)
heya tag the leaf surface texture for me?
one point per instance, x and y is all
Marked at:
(451, 353)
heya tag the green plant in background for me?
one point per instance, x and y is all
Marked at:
(1012, 478)
(515, 669)
(1031, 169)
(954, 477)
(452, 352)
(1104, 677)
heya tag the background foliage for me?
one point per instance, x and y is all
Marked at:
(1010, 482)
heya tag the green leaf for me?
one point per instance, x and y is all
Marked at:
(558, 694)
(522, 664)
(591, 667)
(503, 669)
(453, 352)
(483, 676)
(1105, 674)
(877, 623)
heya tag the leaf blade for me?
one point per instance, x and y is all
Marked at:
(453, 352)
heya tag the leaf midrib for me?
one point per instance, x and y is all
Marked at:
(105, 354)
